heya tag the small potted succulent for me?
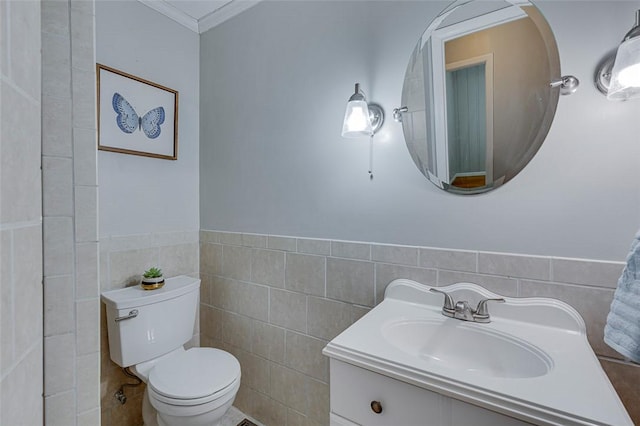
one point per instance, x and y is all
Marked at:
(152, 279)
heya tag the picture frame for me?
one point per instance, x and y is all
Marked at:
(136, 116)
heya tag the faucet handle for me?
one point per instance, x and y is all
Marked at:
(482, 306)
(448, 300)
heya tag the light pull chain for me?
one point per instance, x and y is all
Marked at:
(371, 157)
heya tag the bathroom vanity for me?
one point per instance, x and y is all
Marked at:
(363, 397)
(405, 363)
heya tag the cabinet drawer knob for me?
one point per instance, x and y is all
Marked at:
(376, 407)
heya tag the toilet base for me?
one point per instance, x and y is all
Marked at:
(151, 417)
(149, 414)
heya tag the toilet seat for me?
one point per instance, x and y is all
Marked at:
(194, 377)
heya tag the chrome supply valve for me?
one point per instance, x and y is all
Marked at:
(462, 310)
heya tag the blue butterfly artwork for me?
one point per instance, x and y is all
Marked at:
(128, 120)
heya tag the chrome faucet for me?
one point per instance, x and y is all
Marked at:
(463, 311)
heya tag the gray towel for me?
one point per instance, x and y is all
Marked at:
(622, 331)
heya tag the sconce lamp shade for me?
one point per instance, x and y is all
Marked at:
(361, 118)
(356, 120)
(625, 75)
(619, 79)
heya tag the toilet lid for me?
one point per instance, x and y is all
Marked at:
(195, 373)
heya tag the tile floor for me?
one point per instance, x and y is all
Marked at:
(235, 416)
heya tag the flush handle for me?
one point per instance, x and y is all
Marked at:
(376, 407)
(132, 314)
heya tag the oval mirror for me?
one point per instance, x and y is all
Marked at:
(477, 94)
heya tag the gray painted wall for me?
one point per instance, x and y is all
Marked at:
(141, 194)
(274, 84)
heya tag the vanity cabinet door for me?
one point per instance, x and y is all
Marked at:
(356, 393)
(362, 397)
(463, 413)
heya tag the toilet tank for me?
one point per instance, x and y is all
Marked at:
(164, 321)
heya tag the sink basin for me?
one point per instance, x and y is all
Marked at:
(532, 361)
(457, 345)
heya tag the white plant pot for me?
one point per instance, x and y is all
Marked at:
(152, 283)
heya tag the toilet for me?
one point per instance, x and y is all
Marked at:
(147, 330)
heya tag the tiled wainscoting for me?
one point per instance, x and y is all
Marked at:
(123, 259)
(274, 302)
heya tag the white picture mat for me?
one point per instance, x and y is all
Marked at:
(143, 98)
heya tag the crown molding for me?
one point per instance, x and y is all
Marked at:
(172, 12)
(226, 12)
(216, 17)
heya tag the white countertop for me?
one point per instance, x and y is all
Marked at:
(575, 390)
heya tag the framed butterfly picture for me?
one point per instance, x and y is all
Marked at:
(136, 116)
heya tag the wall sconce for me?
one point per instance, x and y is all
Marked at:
(362, 119)
(618, 77)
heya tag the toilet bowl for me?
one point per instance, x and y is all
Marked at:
(195, 387)
(147, 331)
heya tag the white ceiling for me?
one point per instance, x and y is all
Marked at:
(199, 15)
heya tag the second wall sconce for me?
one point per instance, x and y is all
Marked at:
(618, 77)
(362, 119)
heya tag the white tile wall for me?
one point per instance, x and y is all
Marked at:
(125, 257)
(72, 340)
(21, 291)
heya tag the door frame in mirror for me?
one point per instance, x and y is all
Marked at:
(487, 60)
(439, 37)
